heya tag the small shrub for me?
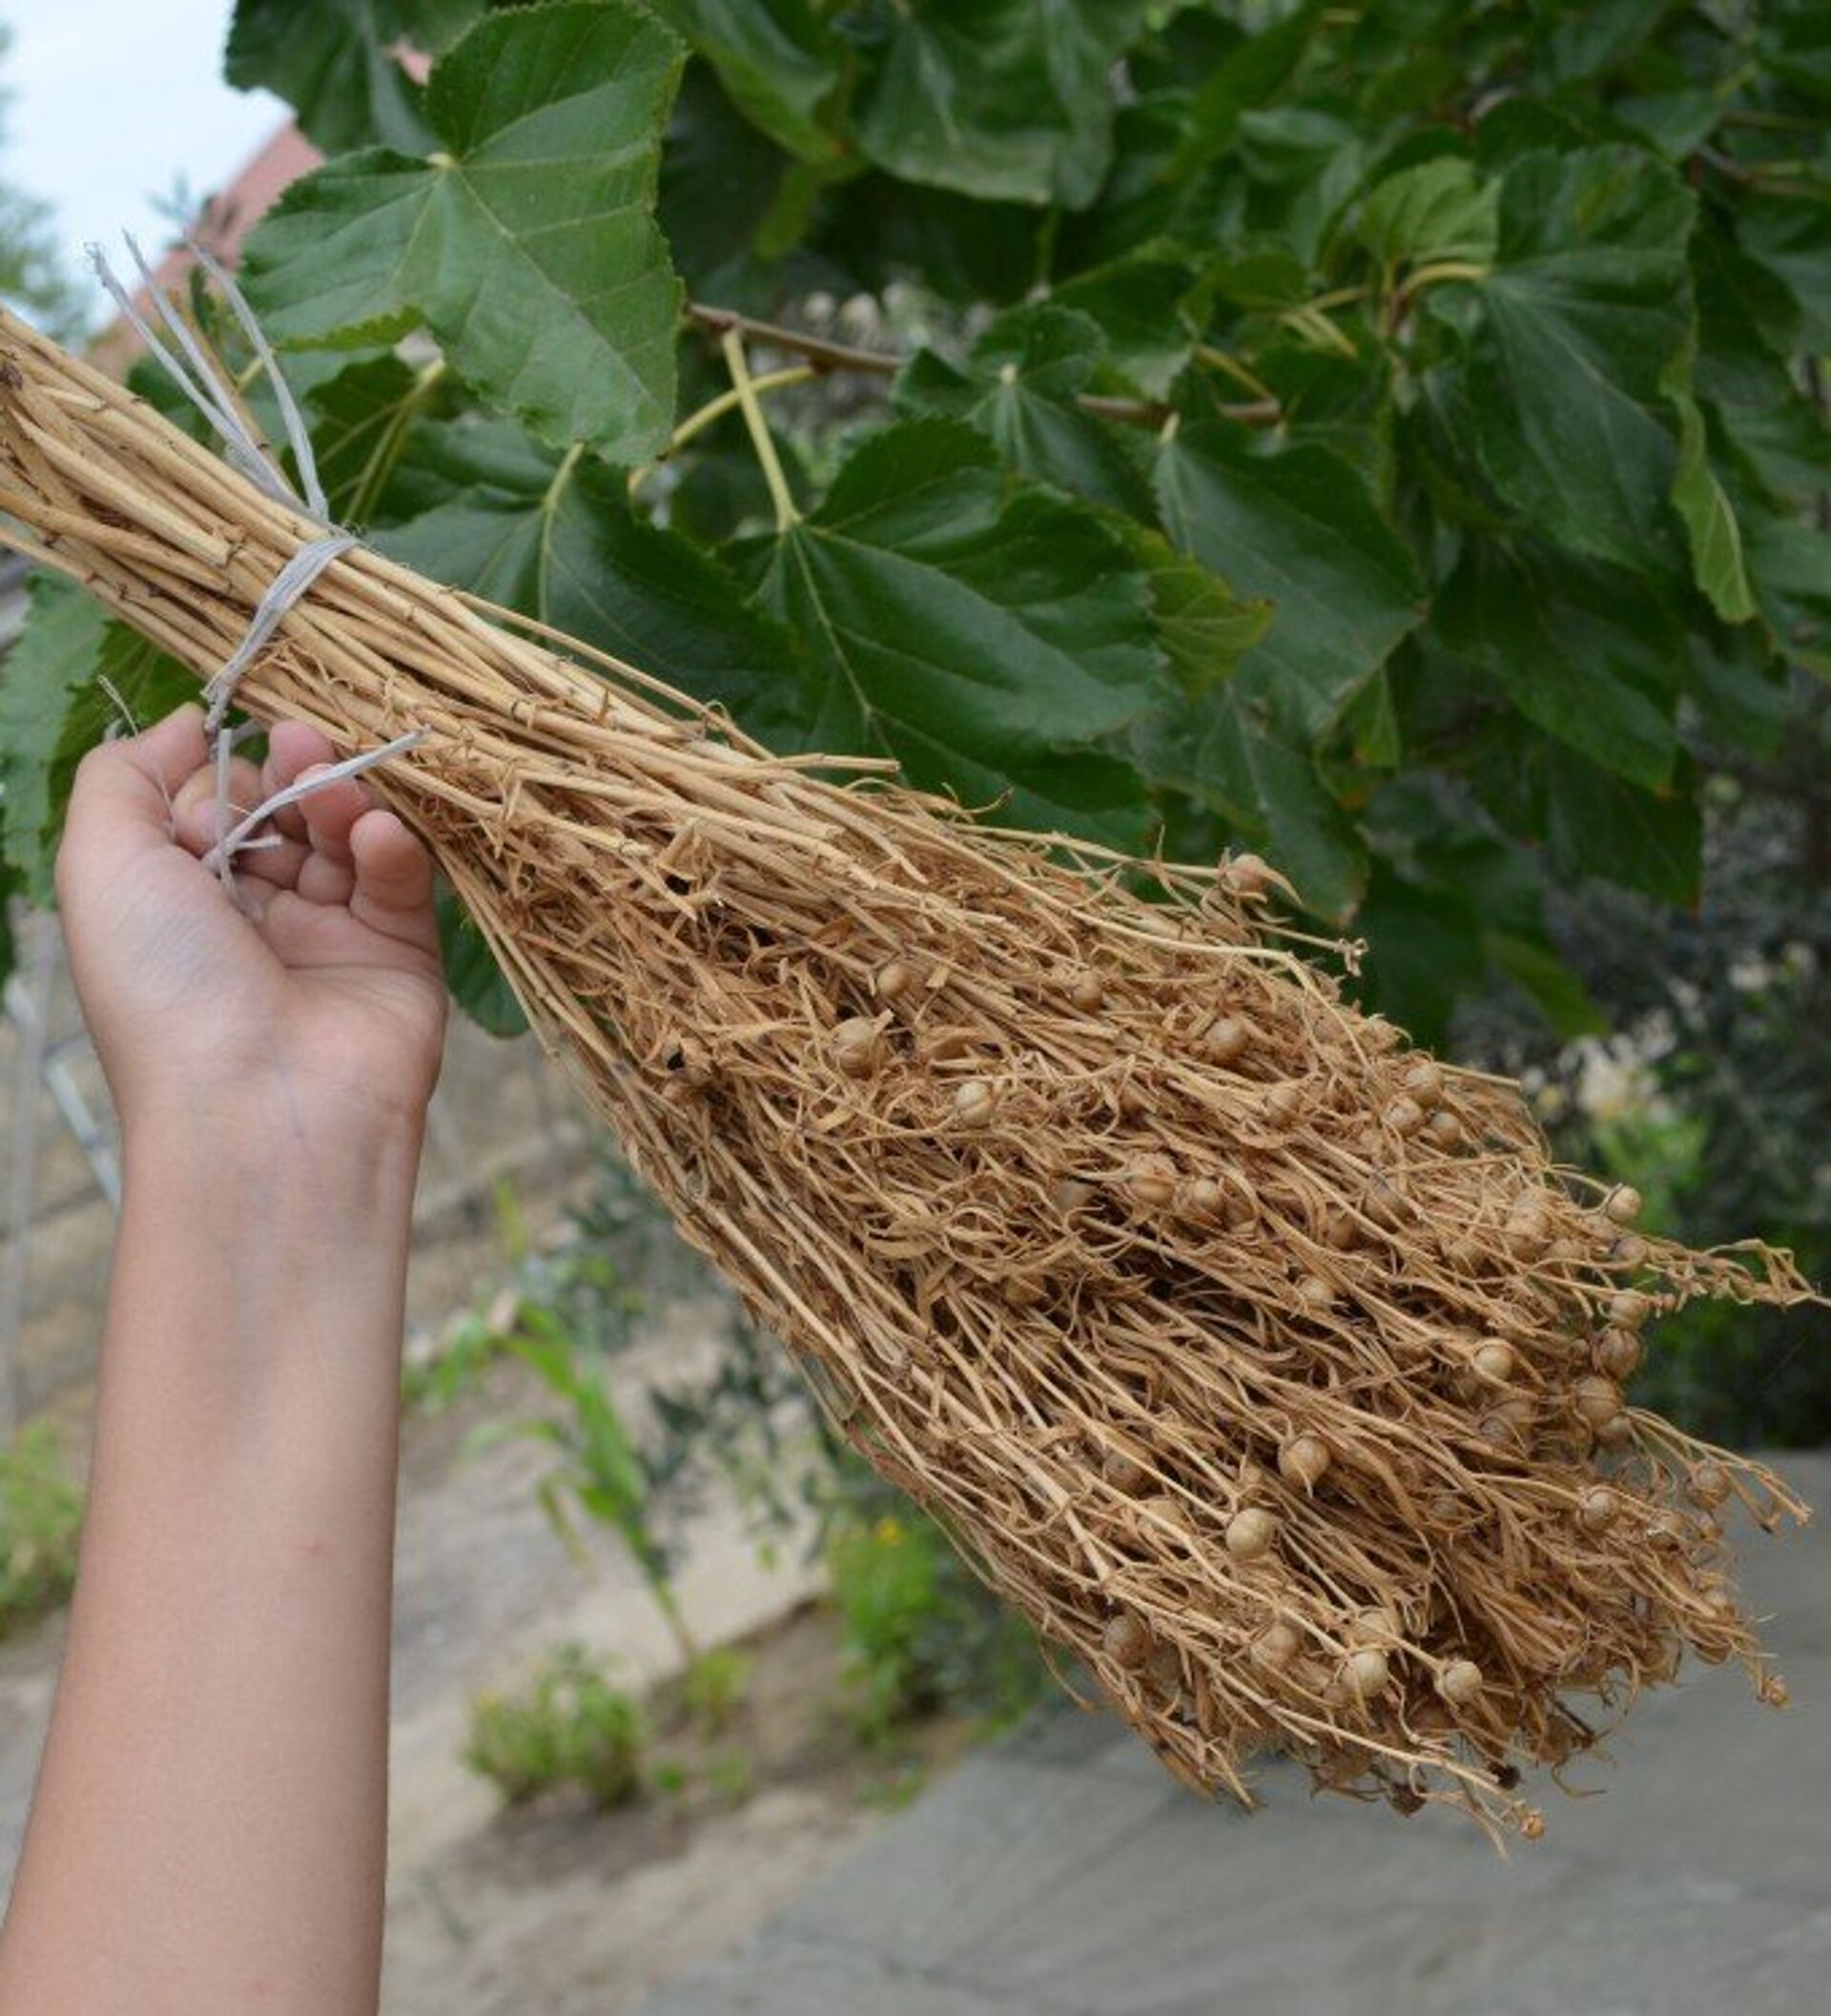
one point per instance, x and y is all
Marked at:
(920, 1633)
(569, 1728)
(713, 1687)
(41, 1521)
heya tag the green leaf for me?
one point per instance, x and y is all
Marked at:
(1599, 824)
(363, 418)
(1296, 530)
(779, 59)
(1140, 302)
(1203, 627)
(1443, 209)
(334, 62)
(55, 708)
(990, 635)
(527, 246)
(1587, 653)
(1790, 237)
(1567, 347)
(478, 984)
(555, 538)
(53, 658)
(1226, 754)
(1243, 81)
(720, 178)
(1020, 388)
(1007, 99)
(1790, 566)
(1710, 519)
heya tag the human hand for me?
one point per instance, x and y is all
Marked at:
(318, 1013)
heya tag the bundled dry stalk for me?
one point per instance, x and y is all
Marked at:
(1266, 1364)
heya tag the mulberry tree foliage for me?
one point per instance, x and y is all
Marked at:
(1391, 439)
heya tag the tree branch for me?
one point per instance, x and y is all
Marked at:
(826, 356)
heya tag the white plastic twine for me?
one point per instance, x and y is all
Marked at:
(195, 374)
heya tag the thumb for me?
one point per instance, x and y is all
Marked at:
(123, 795)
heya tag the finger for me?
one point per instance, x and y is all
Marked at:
(393, 880)
(292, 748)
(198, 822)
(123, 791)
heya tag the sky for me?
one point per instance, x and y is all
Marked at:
(112, 101)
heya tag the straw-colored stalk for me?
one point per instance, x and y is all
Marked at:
(1268, 1366)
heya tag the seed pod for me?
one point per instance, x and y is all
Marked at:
(1598, 1509)
(893, 980)
(1629, 1309)
(1275, 1647)
(1384, 1204)
(1086, 992)
(1225, 1040)
(1460, 1682)
(1630, 1250)
(1405, 1116)
(1071, 1195)
(857, 1046)
(1622, 1205)
(1366, 1673)
(1133, 1102)
(1616, 1433)
(1666, 1530)
(1528, 1231)
(1315, 1296)
(1151, 1183)
(1510, 1425)
(1206, 1199)
(1250, 1534)
(1285, 1104)
(1373, 1626)
(1494, 1360)
(1617, 1353)
(1304, 1460)
(1597, 1400)
(1248, 877)
(1708, 1485)
(1123, 1471)
(1443, 1129)
(1774, 1690)
(1340, 1232)
(1127, 1642)
(1424, 1081)
(974, 1102)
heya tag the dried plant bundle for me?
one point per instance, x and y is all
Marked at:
(1268, 1365)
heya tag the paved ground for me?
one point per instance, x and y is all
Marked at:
(1064, 1875)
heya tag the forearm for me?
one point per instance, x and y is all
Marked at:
(209, 1831)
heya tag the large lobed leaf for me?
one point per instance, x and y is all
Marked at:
(527, 244)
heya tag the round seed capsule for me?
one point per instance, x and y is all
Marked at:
(1616, 1433)
(1249, 876)
(1340, 1232)
(1630, 1250)
(1071, 1195)
(1617, 1353)
(1424, 1081)
(857, 1046)
(1405, 1116)
(1315, 1295)
(1123, 1471)
(1494, 1360)
(1708, 1485)
(1528, 1231)
(1629, 1309)
(1284, 1104)
(1384, 1204)
(1460, 1682)
(1373, 1626)
(1127, 1642)
(1086, 992)
(974, 1103)
(1304, 1460)
(1275, 1647)
(1225, 1040)
(1596, 1400)
(1666, 1530)
(1598, 1509)
(1152, 1182)
(1622, 1205)
(1443, 1129)
(1366, 1673)
(1250, 1534)
(893, 979)
(1206, 1198)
